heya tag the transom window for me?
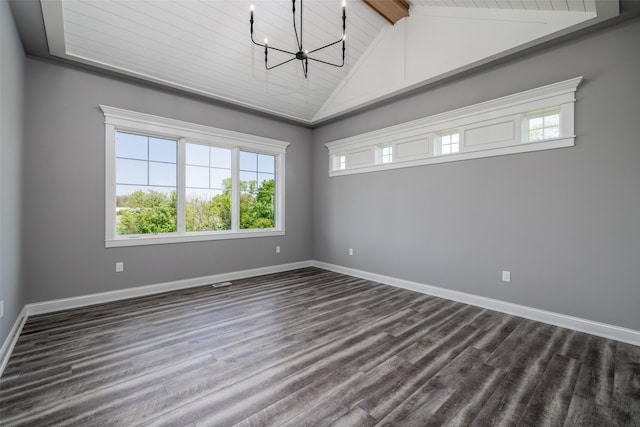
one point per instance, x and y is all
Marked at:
(543, 125)
(342, 162)
(448, 143)
(170, 181)
(536, 119)
(384, 154)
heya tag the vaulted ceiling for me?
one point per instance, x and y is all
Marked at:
(204, 47)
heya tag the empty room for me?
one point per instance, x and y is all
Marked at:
(319, 213)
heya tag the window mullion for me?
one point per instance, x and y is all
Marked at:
(180, 188)
(235, 189)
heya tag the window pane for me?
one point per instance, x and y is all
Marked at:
(257, 209)
(127, 190)
(535, 135)
(197, 177)
(131, 171)
(535, 123)
(197, 154)
(247, 177)
(248, 161)
(552, 132)
(220, 157)
(262, 177)
(446, 149)
(553, 120)
(207, 210)
(162, 150)
(162, 174)
(131, 146)
(257, 197)
(266, 163)
(455, 148)
(446, 139)
(220, 178)
(145, 210)
(455, 138)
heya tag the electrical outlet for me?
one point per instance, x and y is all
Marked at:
(277, 249)
(119, 267)
(1, 309)
(350, 251)
(506, 276)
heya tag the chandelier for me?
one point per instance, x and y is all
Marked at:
(304, 56)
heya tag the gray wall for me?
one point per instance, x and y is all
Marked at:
(565, 222)
(12, 62)
(64, 188)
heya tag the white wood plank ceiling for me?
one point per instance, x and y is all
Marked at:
(204, 47)
(551, 5)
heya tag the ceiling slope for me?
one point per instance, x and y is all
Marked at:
(437, 42)
(204, 47)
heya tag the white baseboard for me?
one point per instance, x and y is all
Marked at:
(11, 339)
(583, 325)
(617, 333)
(81, 301)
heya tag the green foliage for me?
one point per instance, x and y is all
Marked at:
(257, 205)
(210, 215)
(145, 213)
(155, 212)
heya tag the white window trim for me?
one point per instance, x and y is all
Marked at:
(487, 129)
(117, 119)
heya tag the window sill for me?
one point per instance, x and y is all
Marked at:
(156, 239)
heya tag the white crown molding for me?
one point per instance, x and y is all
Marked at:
(613, 332)
(127, 119)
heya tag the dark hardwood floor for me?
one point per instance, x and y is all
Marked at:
(311, 348)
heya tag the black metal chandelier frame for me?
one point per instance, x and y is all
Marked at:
(302, 55)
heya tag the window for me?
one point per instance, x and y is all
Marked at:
(542, 125)
(208, 187)
(339, 162)
(257, 191)
(536, 119)
(448, 143)
(145, 184)
(170, 181)
(384, 154)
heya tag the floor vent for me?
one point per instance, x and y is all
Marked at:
(221, 285)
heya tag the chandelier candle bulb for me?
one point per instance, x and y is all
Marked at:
(251, 21)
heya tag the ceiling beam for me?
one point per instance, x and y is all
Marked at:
(391, 10)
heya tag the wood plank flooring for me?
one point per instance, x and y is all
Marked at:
(311, 348)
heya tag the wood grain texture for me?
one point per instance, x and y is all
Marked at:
(311, 348)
